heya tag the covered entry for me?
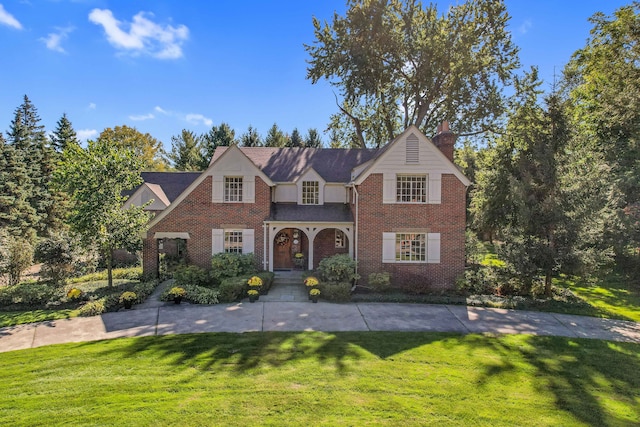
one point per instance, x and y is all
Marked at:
(290, 249)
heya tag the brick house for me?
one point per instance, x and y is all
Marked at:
(400, 208)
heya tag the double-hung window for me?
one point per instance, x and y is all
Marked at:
(411, 189)
(232, 189)
(411, 247)
(233, 241)
(310, 193)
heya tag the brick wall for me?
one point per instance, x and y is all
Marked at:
(325, 245)
(198, 215)
(446, 218)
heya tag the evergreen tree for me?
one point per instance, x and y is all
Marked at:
(63, 135)
(275, 137)
(295, 140)
(313, 139)
(186, 152)
(218, 136)
(28, 137)
(251, 138)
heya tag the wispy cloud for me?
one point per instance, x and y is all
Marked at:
(54, 40)
(142, 117)
(160, 110)
(197, 119)
(85, 134)
(7, 19)
(524, 28)
(92, 106)
(143, 35)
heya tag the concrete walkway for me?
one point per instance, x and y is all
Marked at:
(168, 319)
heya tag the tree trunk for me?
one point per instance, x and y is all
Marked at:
(547, 284)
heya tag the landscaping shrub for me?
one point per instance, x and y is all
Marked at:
(191, 275)
(336, 291)
(133, 273)
(232, 265)
(337, 268)
(16, 255)
(93, 308)
(380, 282)
(31, 294)
(479, 280)
(201, 294)
(267, 280)
(233, 288)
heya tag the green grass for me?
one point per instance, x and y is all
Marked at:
(11, 318)
(612, 295)
(313, 378)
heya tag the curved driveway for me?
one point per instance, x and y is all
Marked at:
(304, 316)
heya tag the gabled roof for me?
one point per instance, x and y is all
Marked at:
(171, 183)
(158, 192)
(288, 164)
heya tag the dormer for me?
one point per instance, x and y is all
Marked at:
(148, 193)
(310, 187)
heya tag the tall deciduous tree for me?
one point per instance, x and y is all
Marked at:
(95, 179)
(145, 146)
(251, 138)
(398, 63)
(186, 152)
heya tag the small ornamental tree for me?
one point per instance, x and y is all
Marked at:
(95, 179)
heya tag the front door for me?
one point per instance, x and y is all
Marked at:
(282, 250)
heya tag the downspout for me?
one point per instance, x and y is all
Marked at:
(264, 251)
(355, 237)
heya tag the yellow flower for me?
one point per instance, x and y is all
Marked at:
(314, 292)
(255, 281)
(252, 292)
(311, 281)
(74, 293)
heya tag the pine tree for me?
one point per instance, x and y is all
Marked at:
(275, 137)
(218, 136)
(63, 135)
(186, 151)
(251, 138)
(295, 140)
(313, 139)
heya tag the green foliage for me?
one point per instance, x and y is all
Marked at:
(479, 280)
(313, 139)
(95, 179)
(267, 280)
(131, 273)
(63, 135)
(338, 268)
(29, 294)
(295, 140)
(400, 63)
(232, 265)
(336, 291)
(16, 255)
(251, 138)
(275, 137)
(380, 282)
(187, 152)
(201, 294)
(218, 136)
(144, 146)
(59, 257)
(233, 288)
(191, 275)
(93, 308)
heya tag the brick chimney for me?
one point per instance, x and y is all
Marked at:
(444, 139)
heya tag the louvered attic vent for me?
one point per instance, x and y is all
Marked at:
(413, 155)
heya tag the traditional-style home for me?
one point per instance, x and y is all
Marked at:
(400, 208)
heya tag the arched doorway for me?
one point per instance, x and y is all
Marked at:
(287, 243)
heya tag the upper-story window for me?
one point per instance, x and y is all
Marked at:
(232, 189)
(411, 189)
(310, 193)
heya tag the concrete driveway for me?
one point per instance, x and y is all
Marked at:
(305, 316)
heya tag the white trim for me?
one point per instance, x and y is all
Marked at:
(248, 241)
(170, 235)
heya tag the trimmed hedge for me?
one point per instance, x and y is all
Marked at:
(233, 288)
(335, 291)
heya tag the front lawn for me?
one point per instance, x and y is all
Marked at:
(313, 378)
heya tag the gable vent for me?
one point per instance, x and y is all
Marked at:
(413, 155)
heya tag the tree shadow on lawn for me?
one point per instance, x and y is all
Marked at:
(591, 379)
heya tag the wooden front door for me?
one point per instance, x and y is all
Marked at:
(282, 250)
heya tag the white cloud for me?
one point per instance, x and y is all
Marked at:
(197, 119)
(91, 106)
(524, 28)
(54, 40)
(85, 134)
(143, 36)
(7, 19)
(142, 117)
(160, 110)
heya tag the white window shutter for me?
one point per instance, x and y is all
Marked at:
(433, 248)
(388, 247)
(249, 189)
(217, 241)
(435, 188)
(389, 188)
(248, 241)
(218, 189)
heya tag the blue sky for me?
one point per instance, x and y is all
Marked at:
(162, 66)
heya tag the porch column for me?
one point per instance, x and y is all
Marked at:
(270, 245)
(311, 235)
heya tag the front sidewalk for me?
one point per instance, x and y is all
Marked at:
(305, 316)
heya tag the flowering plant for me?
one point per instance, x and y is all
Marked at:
(314, 292)
(128, 297)
(74, 293)
(299, 255)
(255, 281)
(253, 293)
(177, 291)
(311, 281)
